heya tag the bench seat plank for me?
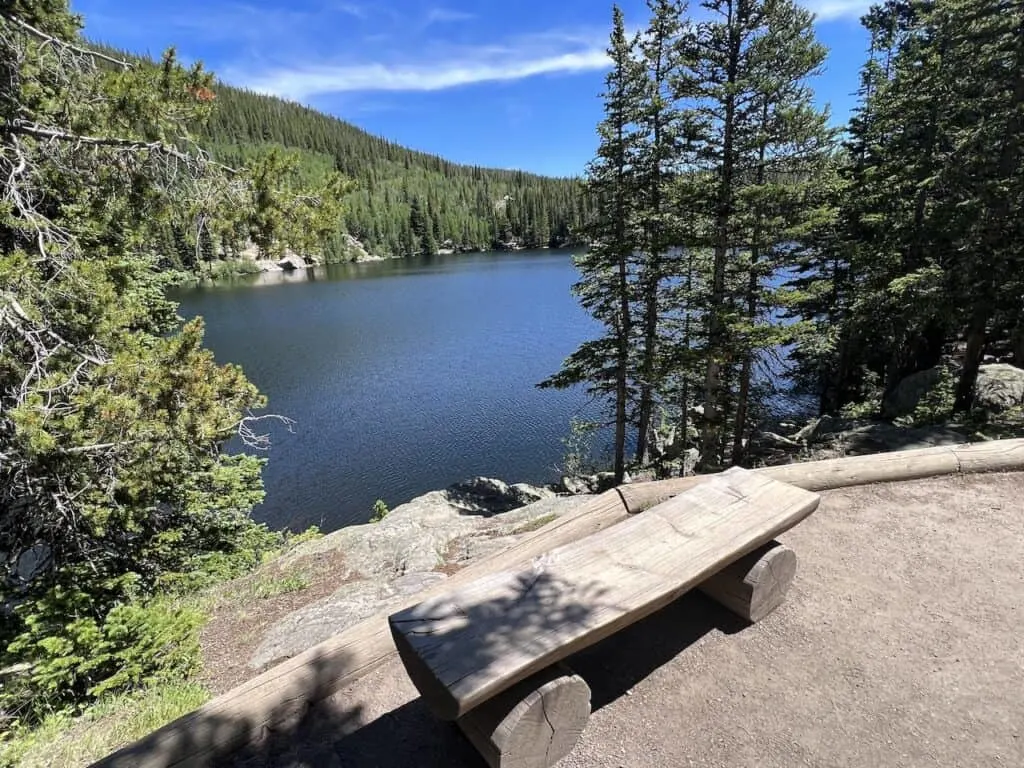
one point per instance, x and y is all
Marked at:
(465, 646)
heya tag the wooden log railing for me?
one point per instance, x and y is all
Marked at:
(283, 694)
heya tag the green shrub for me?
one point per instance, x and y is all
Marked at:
(380, 511)
(77, 656)
(578, 458)
(936, 405)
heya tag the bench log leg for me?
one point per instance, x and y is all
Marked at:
(533, 724)
(756, 584)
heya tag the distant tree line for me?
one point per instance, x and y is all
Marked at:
(402, 202)
(742, 245)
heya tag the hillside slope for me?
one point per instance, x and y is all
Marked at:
(405, 201)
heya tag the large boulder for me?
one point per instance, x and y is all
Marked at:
(826, 429)
(862, 438)
(410, 549)
(1000, 386)
(291, 262)
(488, 496)
(907, 395)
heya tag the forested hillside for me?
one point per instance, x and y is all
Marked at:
(403, 202)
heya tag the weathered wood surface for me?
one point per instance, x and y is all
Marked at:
(467, 645)
(289, 688)
(756, 584)
(533, 724)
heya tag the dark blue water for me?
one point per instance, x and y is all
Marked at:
(401, 376)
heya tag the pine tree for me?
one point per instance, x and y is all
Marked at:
(927, 253)
(759, 142)
(661, 130)
(607, 270)
(113, 417)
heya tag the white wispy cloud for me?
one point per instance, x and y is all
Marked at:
(352, 9)
(549, 54)
(827, 10)
(446, 15)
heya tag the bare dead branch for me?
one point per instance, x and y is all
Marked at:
(40, 35)
(260, 442)
(26, 128)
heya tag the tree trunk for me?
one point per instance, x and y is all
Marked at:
(747, 370)
(649, 363)
(652, 283)
(743, 398)
(711, 433)
(684, 399)
(621, 374)
(972, 362)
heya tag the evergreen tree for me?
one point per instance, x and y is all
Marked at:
(927, 255)
(113, 417)
(660, 126)
(758, 145)
(608, 269)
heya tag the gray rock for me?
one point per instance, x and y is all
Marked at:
(906, 396)
(881, 437)
(999, 387)
(397, 558)
(774, 441)
(602, 482)
(575, 485)
(292, 261)
(824, 429)
(412, 583)
(318, 621)
(808, 432)
(488, 496)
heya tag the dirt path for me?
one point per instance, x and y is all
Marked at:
(900, 645)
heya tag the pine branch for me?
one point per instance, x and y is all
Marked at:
(40, 35)
(201, 157)
(26, 128)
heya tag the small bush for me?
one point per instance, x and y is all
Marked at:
(380, 511)
(77, 656)
(577, 458)
(936, 405)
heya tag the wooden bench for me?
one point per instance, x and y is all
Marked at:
(486, 654)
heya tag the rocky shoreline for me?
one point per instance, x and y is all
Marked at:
(417, 544)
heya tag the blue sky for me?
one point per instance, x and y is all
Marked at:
(509, 84)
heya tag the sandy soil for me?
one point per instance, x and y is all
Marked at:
(901, 644)
(240, 614)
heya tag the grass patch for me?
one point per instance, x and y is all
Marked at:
(62, 740)
(535, 524)
(279, 584)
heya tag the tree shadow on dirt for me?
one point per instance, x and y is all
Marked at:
(337, 732)
(332, 735)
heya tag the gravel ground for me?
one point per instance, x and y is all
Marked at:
(900, 644)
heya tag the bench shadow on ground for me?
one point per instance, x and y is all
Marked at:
(330, 735)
